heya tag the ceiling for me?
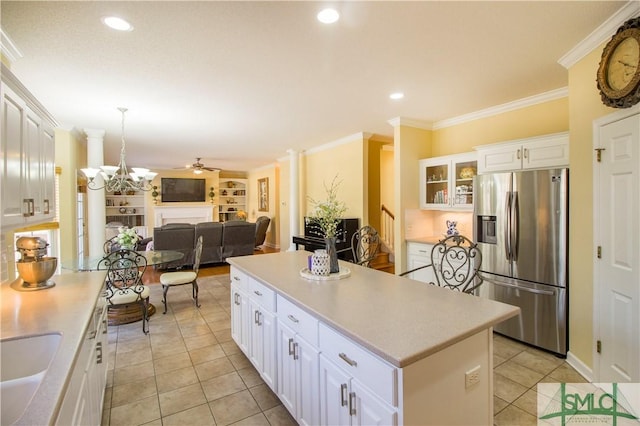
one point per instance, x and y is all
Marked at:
(238, 83)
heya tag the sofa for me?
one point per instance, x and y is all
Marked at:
(220, 240)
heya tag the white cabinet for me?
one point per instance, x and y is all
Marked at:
(232, 198)
(128, 210)
(419, 254)
(446, 183)
(262, 351)
(298, 362)
(83, 400)
(27, 167)
(240, 313)
(356, 387)
(533, 153)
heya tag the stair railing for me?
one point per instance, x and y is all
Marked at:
(387, 220)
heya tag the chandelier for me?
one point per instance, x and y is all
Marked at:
(118, 178)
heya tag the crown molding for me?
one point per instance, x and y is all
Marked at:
(347, 139)
(600, 34)
(9, 48)
(411, 122)
(500, 109)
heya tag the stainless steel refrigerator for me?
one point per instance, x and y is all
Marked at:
(521, 228)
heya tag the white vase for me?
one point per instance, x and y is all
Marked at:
(320, 263)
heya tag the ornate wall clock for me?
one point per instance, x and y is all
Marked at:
(619, 71)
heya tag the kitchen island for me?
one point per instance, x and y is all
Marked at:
(74, 310)
(371, 348)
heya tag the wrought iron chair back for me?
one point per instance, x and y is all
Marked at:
(123, 281)
(365, 244)
(456, 262)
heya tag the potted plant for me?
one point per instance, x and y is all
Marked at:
(326, 215)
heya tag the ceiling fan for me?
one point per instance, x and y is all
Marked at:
(198, 167)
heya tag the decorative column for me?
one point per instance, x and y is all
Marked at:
(96, 210)
(294, 197)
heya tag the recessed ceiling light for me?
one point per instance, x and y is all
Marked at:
(328, 16)
(117, 23)
(396, 96)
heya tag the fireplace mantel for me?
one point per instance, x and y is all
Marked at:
(182, 214)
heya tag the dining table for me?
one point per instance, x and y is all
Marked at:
(124, 314)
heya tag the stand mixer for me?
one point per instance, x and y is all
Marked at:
(34, 267)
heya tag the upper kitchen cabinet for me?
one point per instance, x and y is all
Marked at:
(28, 160)
(446, 183)
(541, 152)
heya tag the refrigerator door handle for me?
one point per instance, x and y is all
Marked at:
(515, 226)
(530, 290)
(507, 226)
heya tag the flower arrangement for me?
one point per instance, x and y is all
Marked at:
(127, 237)
(241, 215)
(327, 214)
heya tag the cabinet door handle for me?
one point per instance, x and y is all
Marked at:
(348, 360)
(292, 318)
(104, 326)
(256, 318)
(291, 346)
(259, 317)
(352, 403)
(92, 335)
(343, 395)
(46, 206)
(295, 351)
(257, 293)
(518, 154)
(526, 153)
(99, 351)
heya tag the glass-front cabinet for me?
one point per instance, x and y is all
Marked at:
(446, 183)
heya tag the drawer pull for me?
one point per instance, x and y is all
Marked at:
(343, 395)
(423, 251)
(292, 318)
(256, 318)
(99, 351)
(291, 346)
(348, 360)
(236, 278)
(352, 404)
(257, 293)
(295, 351)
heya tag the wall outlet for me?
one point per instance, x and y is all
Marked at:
(472, 377)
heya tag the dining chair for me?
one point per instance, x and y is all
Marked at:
(170, 279)
(456, 263)
(365, 244)
(123, 281)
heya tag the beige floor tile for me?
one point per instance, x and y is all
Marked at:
(200, 415)
(538, 361)
(131, 345)
(223, 335)
(217, 367)
(176, 379)
(181, 399)
(256, 420)
(192, 330)
(497, 360)
(233, 408)
(132, 373)
(167, 348)
(250, 376)
(136, 413)
(157, 422)
(506, 348)
(519, 373)
(499, 404)
(219, 325)
(222, 386)
(507, 389)
(566, 374)
(207, 353)
(239, 361)
(528, 402)
(230, 347)
(132, 357)
(514, 416)
(200, 341)
(172, 362)
(264, 396)
(280, 416)
(216, 316)
(133, 391)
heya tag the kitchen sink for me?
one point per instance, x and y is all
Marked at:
(24, 363)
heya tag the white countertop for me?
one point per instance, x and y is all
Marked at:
(399, 319)
(435, 239)
(66, 309)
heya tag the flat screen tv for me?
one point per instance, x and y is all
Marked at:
(181, 190)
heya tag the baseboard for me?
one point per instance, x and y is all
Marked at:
(582, 368)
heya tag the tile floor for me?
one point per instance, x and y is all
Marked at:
(188, 370)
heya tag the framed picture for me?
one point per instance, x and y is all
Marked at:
(263, 194)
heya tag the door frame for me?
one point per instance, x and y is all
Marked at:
(597, 124)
